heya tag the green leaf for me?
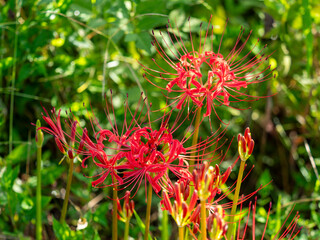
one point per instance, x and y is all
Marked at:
(19, 154)
(27, 204)
(9, 176)
(99, 214)
(143, 41)
(50, 174)
(264, 180)
(150, 22)
(141, 224)
(62, 231)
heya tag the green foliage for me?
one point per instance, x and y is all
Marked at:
(72, 52)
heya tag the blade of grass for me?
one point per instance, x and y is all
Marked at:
(13, 76)
(141, 224)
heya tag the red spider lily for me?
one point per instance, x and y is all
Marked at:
(140, 152)
(55, 128)
(289, 232)
(204, 75)
(152, 153)
(110, 146)
(65, 142)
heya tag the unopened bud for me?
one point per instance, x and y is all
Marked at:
(251, 147)
(70, 154)
(245, 145)
(39, 134)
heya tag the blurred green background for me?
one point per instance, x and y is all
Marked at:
(66, 53)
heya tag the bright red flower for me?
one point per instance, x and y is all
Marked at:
(139, 152)
(109, 148)
(204, 75)
(65, 142)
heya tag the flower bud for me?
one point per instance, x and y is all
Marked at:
(245, 145)
(70, 154)
(39, 134)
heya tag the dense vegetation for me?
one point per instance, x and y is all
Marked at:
(68, 54)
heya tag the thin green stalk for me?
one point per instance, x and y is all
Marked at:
(203, 223)
(126, 230)
(235, 200)
(66, 198)
(114, 214)
(39, 142)
(164, 229)
(39, 209)
(181, 233)
(149, 200)
(13, 76)
(196, 133)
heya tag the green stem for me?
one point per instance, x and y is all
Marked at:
(126, 230)
(66, 198)
(115, 213)
(13, 76)
(149, 200)
(164, 229)
(195, 134)
(235, 200)
(38, 213)
(203, 223)
(181, 233)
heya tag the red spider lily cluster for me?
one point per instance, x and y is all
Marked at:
(138, 152)
(202, 74)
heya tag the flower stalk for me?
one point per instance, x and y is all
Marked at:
(235, 200)
(39, 142)
(69, 181)
(181, 233)
(164, 229)
(203, 223)
(114, 215)
(149, 200)
(126, 230)
(245, 148)
(196, 133)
